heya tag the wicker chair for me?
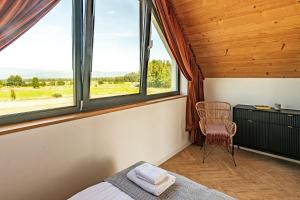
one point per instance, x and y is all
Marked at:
(215, 112)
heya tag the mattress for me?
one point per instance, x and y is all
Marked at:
(101, 191)
(182, 189)
(119, 187)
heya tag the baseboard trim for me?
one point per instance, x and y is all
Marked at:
(170, 155)
(269, 154)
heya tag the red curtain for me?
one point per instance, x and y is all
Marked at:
(18, 16)
(186, 60)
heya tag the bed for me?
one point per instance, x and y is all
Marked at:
(119, 187)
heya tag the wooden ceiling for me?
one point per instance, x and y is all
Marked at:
(243, 38)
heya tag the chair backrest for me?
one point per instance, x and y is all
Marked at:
(213, 112)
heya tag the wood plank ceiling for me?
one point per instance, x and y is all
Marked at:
(243, 38)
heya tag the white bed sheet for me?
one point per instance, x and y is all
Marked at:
(101, 191)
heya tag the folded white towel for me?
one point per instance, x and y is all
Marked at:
(157, 183)
(153, 189)
(150, 173)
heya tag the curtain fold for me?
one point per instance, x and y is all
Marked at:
(186, 60)
(18, 16)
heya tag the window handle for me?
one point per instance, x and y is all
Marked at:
(290, 126)
(81, 105)
(150, 44)
(290, 115)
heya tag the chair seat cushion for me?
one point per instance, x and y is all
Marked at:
(217, 134)
(216, 129)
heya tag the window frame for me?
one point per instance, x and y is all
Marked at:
(77, 30)
(83, 16)
(155, 15)
(146, 9)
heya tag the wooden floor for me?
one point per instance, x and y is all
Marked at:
(255, 177)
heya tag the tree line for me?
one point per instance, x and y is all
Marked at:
(35, 82)
(158, 75)
(130, 77)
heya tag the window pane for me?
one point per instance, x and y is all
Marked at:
(36, 69)
(162, 68)
(116, 65)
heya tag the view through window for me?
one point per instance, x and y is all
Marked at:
(116, 50)
(36, 69)
(162, 74)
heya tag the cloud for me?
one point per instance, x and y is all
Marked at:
(110, 12)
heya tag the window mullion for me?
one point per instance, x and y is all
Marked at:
(88, 48)
(77, 49)
(146, 36)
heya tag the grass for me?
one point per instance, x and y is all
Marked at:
(107, 89)
(30, 99)
(28, 93)
(97, 90)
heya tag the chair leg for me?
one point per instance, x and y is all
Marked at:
(204, 147)
(232, 154)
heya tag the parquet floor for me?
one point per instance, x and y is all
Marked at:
(255, 177)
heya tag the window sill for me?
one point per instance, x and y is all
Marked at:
(7, 129)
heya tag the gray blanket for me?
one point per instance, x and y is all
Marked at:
(182, 189)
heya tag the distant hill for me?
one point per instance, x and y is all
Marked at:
(29, 73)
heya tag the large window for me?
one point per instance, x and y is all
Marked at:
(85, 55)
(162, 68)
(116, 61)
(36, 70)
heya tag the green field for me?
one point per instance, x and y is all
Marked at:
(97, 90)
(19, 94)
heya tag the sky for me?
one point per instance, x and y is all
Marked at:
(48, 44)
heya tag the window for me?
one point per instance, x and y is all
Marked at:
(162, 73)
(36, 70)
(86, 55)
(116, 49)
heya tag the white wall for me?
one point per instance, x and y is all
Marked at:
(266, 91)
(57, 161)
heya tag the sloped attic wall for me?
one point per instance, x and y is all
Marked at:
(238, 38)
